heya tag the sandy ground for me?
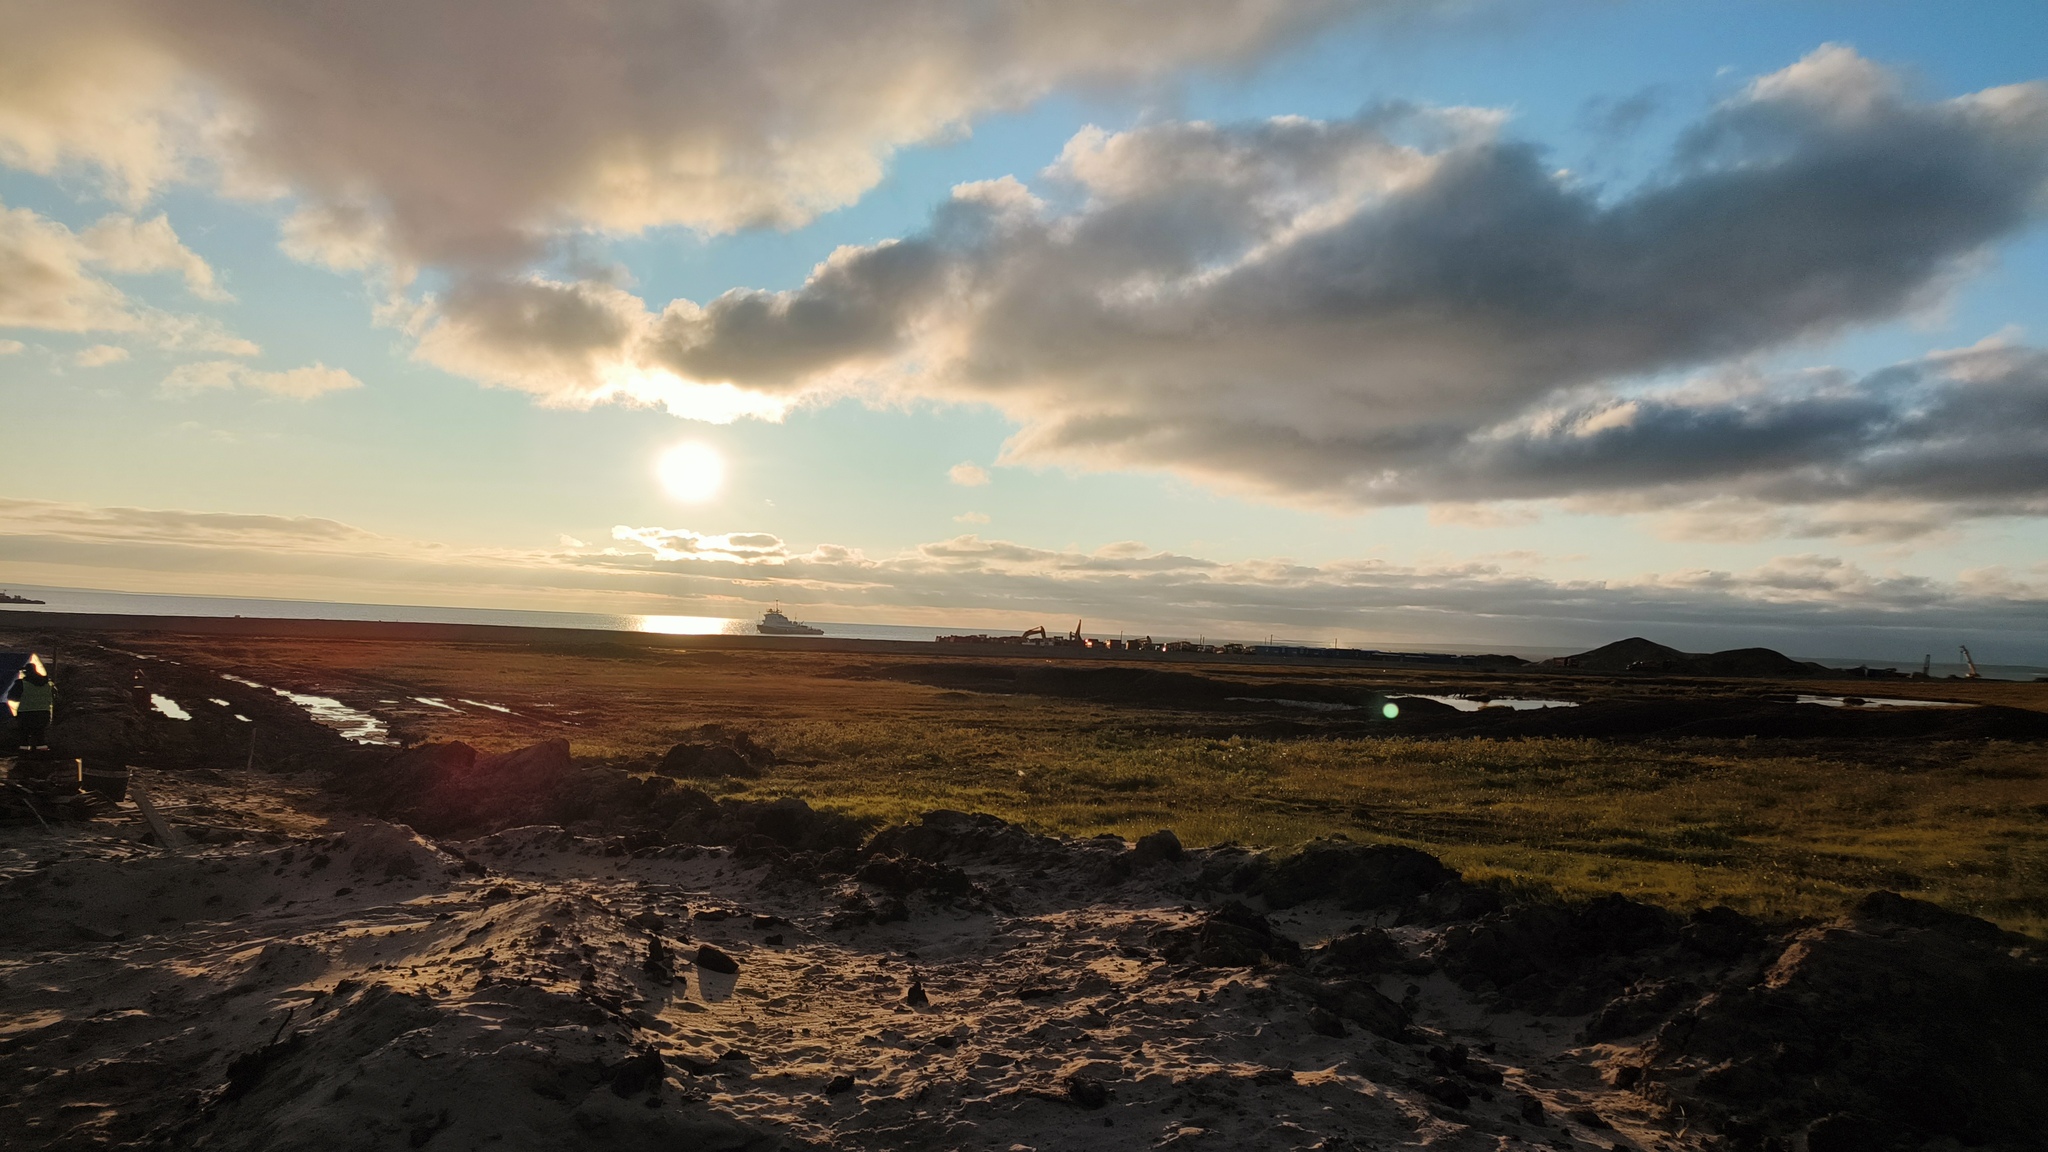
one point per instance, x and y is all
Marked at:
(300, 979)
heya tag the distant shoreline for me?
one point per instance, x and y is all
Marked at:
(394, 630)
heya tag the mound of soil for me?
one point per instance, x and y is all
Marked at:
(452, 790)
(716, 752)
(1901, 1026)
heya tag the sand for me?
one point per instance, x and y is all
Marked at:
(306, 979)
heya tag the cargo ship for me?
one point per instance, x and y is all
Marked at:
(774, 623)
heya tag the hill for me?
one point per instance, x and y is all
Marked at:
(1637, 654)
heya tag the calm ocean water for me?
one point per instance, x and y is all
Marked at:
(147, 604)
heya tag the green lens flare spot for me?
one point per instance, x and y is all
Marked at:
(1390, 709)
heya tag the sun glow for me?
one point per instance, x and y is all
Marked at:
(691, 472)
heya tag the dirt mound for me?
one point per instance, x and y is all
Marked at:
(1356, 876)
(945, 836)
(1232, 936)
(716, 752)
(1899, 1027)
(454, 790)
(1558, 959)
(351, 1076)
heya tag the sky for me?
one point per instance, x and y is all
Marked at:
(1382, 322)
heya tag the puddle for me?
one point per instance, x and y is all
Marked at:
(1512, 703)
(222, 703)
(168, 707)
(482, 704)
(1310, 705)
(360, 727)
(432, 702)
(1876, 702)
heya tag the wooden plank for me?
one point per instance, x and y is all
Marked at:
(172, 840)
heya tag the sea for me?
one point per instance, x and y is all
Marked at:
(155, 604)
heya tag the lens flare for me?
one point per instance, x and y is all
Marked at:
(691, 473)
(1390, 709)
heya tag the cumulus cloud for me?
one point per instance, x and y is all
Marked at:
(304, 383)
(469, 133)
(967, 474)
(1808, 603)
(1408, 305)
(11, 347)
(971, 518)
(49, 279)
(100, 355)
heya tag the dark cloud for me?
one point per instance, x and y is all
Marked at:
(471, 133)
(1378, 310)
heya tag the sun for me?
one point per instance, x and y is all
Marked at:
(691, 472)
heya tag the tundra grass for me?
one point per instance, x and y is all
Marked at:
(1683, 824)
(1774, 827)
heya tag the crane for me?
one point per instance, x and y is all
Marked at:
(1970, 664)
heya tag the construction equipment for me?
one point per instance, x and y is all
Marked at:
(1030, 632)
(1969, 664)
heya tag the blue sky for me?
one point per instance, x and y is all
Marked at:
(448, 487)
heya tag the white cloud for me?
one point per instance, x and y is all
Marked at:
(123, 244)
(304, 383)
(100, 355)
(11, 347)
(967, 474)
(48, 281)
(971, 518)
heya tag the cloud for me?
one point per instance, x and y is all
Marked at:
(470, 134)
(967, 474)
(48, 281)
(683, 544)
(305, 383)
(1408, 306)
(1807, 603)
(100, 355)
(124, 244)
(971, 518)
(11, 347)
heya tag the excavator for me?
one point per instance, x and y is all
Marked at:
(1969, 664)
(1030, 632)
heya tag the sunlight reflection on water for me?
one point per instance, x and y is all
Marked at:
(689, 625)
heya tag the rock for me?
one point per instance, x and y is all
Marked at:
(1161, 847)
(838, 1084)
(713, 960)
(659, 962)
(1087, 1091)
(1326, 1023)
(1588, 1118)
(1531, 1109)
(916, 997)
